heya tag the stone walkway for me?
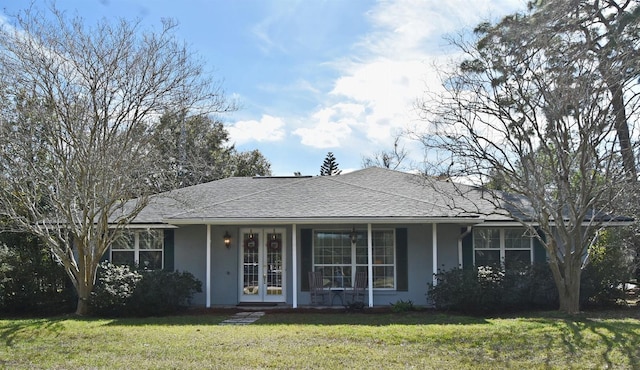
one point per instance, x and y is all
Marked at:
(243, 318)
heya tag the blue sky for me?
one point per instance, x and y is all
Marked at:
(313, 76)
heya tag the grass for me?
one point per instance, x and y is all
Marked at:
(424, 340)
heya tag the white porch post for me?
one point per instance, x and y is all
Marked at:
(207, 283)
(434, 235)
(370, 263)
(294, 264)
(460, 252)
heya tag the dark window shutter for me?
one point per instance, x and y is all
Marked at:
(306, 251)
(467, 249)
(402, 259)
(105, 256)
(539, 253)
(169, 250)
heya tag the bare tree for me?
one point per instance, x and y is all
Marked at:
(391, 159)
(80, 105)
(609, 31)
(533, 113)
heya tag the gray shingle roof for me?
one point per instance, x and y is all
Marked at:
(368, 195)
(371, 193)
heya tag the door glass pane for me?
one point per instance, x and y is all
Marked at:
(251, 264)
(274, 264)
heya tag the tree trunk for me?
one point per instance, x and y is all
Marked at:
(85, 281)
(84, 292)
(622, 129)
(569, 296)
(567, 279)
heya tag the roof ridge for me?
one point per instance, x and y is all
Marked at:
(335, 178)
(239, 197)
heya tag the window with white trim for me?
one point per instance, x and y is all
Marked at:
(506, 247)
(339, 260)
(142, 248)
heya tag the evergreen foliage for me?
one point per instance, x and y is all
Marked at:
(330, 166)
(492, 290)
(31, 281)
(125, 291)
(487, 290)
(195, 149)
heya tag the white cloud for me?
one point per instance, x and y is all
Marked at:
(330, 126)
(402, 27)
(386, 87)
(269, 128)
(268, 30)
(392, 68)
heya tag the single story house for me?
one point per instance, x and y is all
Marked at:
(254, 240)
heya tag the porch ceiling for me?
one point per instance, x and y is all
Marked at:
(321, 221)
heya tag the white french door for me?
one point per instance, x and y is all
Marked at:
(263, 258)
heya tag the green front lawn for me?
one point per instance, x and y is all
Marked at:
(326, 340)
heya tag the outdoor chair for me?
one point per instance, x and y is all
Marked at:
(316, 288)
(359, 284)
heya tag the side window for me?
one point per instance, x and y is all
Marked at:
(143, 248)
(486, 243)
(123, 249)
(517, 248)
(507, 247)
(150, 249)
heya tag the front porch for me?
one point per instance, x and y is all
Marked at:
(238, 274)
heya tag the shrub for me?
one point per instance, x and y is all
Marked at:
(492, 290)
(113, 289)
(457, 290)
(31, 281)
(402, 306)
(608, 269)
(163, 292)
(122, 291)
(355, 306)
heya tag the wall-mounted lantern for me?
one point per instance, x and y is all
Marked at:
(353, 235)
(227, 239)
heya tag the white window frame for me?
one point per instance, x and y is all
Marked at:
(136, 246)
(354, 265)
(502, 249)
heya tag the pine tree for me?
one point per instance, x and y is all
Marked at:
(330, 166)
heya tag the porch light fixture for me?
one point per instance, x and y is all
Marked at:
(227, 239)
(353, 235)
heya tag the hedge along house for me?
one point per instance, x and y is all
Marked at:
(254, 240)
